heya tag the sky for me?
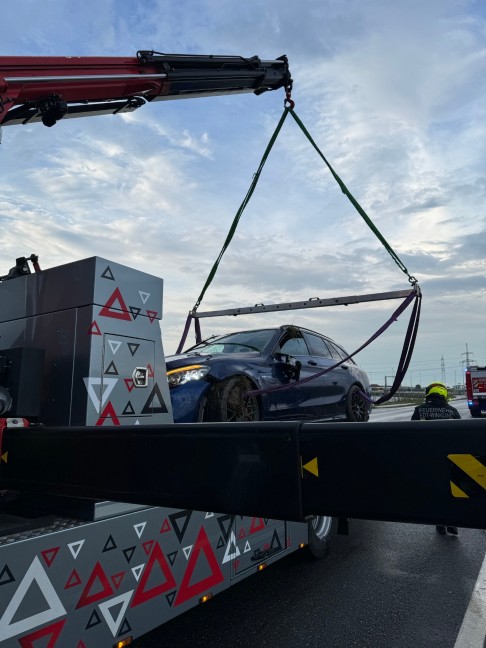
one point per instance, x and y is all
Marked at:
(394, 95)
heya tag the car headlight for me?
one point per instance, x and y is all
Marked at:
(183, 375)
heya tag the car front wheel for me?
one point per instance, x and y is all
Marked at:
(229, 402)
(357, 409)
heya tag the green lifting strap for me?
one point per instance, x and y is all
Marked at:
(256, 177)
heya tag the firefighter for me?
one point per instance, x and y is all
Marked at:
(436, 407)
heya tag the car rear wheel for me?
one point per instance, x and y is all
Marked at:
(357, 409)
(322, 530)
(229, 402)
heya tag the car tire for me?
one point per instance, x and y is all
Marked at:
(229, 402)
(357, 409)
(322, 530)
(475, 412)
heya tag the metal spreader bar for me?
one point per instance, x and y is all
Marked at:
(313, 302)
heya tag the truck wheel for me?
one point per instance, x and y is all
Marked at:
(357, 409)
(322, 530)
(229, 402)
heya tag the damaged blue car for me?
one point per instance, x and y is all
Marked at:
(216, 380)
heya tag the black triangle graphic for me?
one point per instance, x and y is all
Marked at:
(133, 348)
(6, 576)
(134, 311)
(221, 543)
(93, 621)
(266, 521)
(108, 274)
(172, 556)
(128, 409)
(225, 523)
(149, 408)
(170, 597)
(275, 544)
(111, 370)
(128, 553)
(180, 529)
(109, 545)
(126, 627)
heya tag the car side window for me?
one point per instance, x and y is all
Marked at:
(338, 352)
(294, 346)
(318, 346)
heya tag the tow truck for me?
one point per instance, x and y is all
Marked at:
(114, 520)
(476, 390)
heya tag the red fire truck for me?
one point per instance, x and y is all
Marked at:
(476, 390)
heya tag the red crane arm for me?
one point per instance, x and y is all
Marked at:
(49, 88)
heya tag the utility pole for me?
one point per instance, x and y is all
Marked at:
(442, 370)
(466, 361)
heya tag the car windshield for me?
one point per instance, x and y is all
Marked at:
(242, 342)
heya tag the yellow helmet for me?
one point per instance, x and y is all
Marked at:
(437, 388)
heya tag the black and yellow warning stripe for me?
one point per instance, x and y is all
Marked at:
(468, 475)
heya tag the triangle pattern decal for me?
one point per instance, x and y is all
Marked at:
(55, 609)
(115, 307)
(120, 602)
(179, 523)
(155, 403)
(156, 560)
(53, 631)
(108, 274)
(189, 589)
(97, 588)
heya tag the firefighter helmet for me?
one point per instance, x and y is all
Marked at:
(437, 388)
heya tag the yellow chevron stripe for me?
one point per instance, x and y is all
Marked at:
(471, 466)
(457, 492)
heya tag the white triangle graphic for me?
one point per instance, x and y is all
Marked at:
(229, 554)
(144, 296)
(34, 573)
(209, 515)
(108, 385)
(187, 551)
(114, 345)
(247, 547)
(139, 528)
(114, 623)
(75, 548)
(137, 422)
(136, 571)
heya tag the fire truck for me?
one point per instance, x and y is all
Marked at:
(476, 390)
(114, 520)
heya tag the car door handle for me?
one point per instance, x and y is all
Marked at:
(312, 363)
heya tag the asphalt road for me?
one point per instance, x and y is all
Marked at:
(386, 585)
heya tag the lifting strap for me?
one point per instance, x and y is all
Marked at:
(414, 320)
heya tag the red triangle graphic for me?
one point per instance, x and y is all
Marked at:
(94, 329)
(166, 526)
(73, 580)
(53, 630)
(115, 307)
(236, 564)
(241, 534)
(151, 315)
(150, 371)
(147, 546)
(108, 412)
(188, 591)
(257, 526)
(129, 383)
(142, 595)
(97, 578)
(81, 644)
(49, 555)
(116, 579)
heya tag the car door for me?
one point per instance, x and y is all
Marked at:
(338, 381)
(302, 401)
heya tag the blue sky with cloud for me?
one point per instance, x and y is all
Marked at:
(394, 94)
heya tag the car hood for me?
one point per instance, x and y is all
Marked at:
(184, 359)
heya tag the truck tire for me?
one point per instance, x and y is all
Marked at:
(322, 530)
